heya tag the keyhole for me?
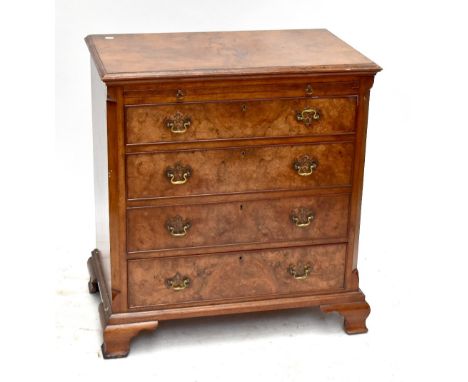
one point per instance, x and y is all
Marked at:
(244, 107)
(241, 207)
(240, 257)
(243, 153)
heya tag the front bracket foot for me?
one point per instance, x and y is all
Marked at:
(354, 314)
(117, 338)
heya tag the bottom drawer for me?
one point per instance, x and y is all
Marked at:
(208, 278)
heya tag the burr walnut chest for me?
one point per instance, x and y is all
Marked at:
(228, 176)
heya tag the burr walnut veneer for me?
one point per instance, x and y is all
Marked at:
(228, 176)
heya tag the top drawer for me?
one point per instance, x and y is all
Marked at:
(239, 119)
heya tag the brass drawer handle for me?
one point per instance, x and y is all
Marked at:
(305, 165)
(307, 116)
(177, 226)
(178, 282)
(302, 217)
(178, 123)
(179, 174)
(299, 276)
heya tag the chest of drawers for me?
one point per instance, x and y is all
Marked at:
(228, 176)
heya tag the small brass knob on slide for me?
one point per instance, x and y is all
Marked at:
(180, 94)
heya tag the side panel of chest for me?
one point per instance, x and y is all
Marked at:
(100, 161)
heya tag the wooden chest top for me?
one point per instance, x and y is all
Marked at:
(124, 57)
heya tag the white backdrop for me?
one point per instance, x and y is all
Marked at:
(413, 255)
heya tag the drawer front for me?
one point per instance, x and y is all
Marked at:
(277, 220)
(237, 89)
(244, 275)
(240, 119)
(231, 170)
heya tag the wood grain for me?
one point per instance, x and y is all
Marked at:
(150, 56)
(258, 221)
(232, 88)
(253, 304)
(241, 169)
(236, 276)
(242, 119)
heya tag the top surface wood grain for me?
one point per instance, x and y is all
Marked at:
(149, 56)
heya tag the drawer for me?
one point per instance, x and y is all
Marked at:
(243, 275)
(240, 120)
(240, 88)
(232, 170)
(259, 221)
